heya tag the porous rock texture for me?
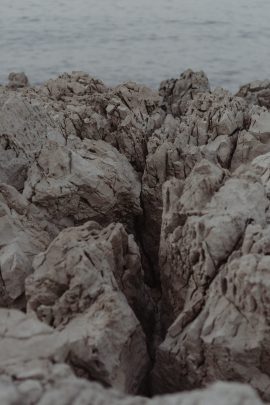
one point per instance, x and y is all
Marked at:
(134, 242)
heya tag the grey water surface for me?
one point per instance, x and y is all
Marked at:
(140, 40)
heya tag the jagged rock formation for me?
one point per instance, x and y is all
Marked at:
(84, 107)
(24, 128)
(24, 232)
(76, 287)
(17, 80)
(29, 350)
(135, 236)
(86, 180)
(257, 92)
(207, 235)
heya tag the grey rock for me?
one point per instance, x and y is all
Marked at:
(24, 232)
(86, 180)
(24, 128)
(208, 129)
(212, 279)
(76, 287)
(177, 93)
(257, 92)
(28, 347)
(84, 107)
(17, 80)
(65, 389)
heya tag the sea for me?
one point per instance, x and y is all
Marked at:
(145, 41)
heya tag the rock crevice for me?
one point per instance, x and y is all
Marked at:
(134, 242)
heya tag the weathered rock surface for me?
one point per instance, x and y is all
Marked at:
(17, 80)
(135, 232)
(24, 128)
(214, 248)
(177, 93)
(28, 347)
(257, 92)
(65, 389)
(123, 116)
(86, 180)
(76, 287)
(208, 129)
(24, 232)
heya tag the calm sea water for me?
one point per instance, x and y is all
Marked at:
(143, 40)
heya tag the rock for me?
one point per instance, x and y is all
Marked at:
(257, 92)
(86, 180)
(209, 130)
(28, 346)
(76, 287)
(68, 390)
(17, 80)
(135, 233)
(228, 338)
(24, 128)
(24, 232)
(84, 107)
(177, 93)
(210, 273)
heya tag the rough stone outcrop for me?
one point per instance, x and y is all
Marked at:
(177, 93)
(24, 128)
(24, 232)
(76, 288)
(135, 234)
(86, 180)
(209, 130)
(63, 388)
(17, 80)
(213, 256)
(28, 347)
(123, 116)
(254, 141)
(257, 92)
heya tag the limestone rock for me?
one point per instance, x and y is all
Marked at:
(75, 288)
(257, 92)
(24, 232)
(228, 338)
(209, 130)
(177, 93)
(24, 128)
(64, 389)
(28, 347)
(82, 181)
(214, 270)
(123, 116)
(17, 80)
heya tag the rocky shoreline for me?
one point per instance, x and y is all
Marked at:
(134, 243)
